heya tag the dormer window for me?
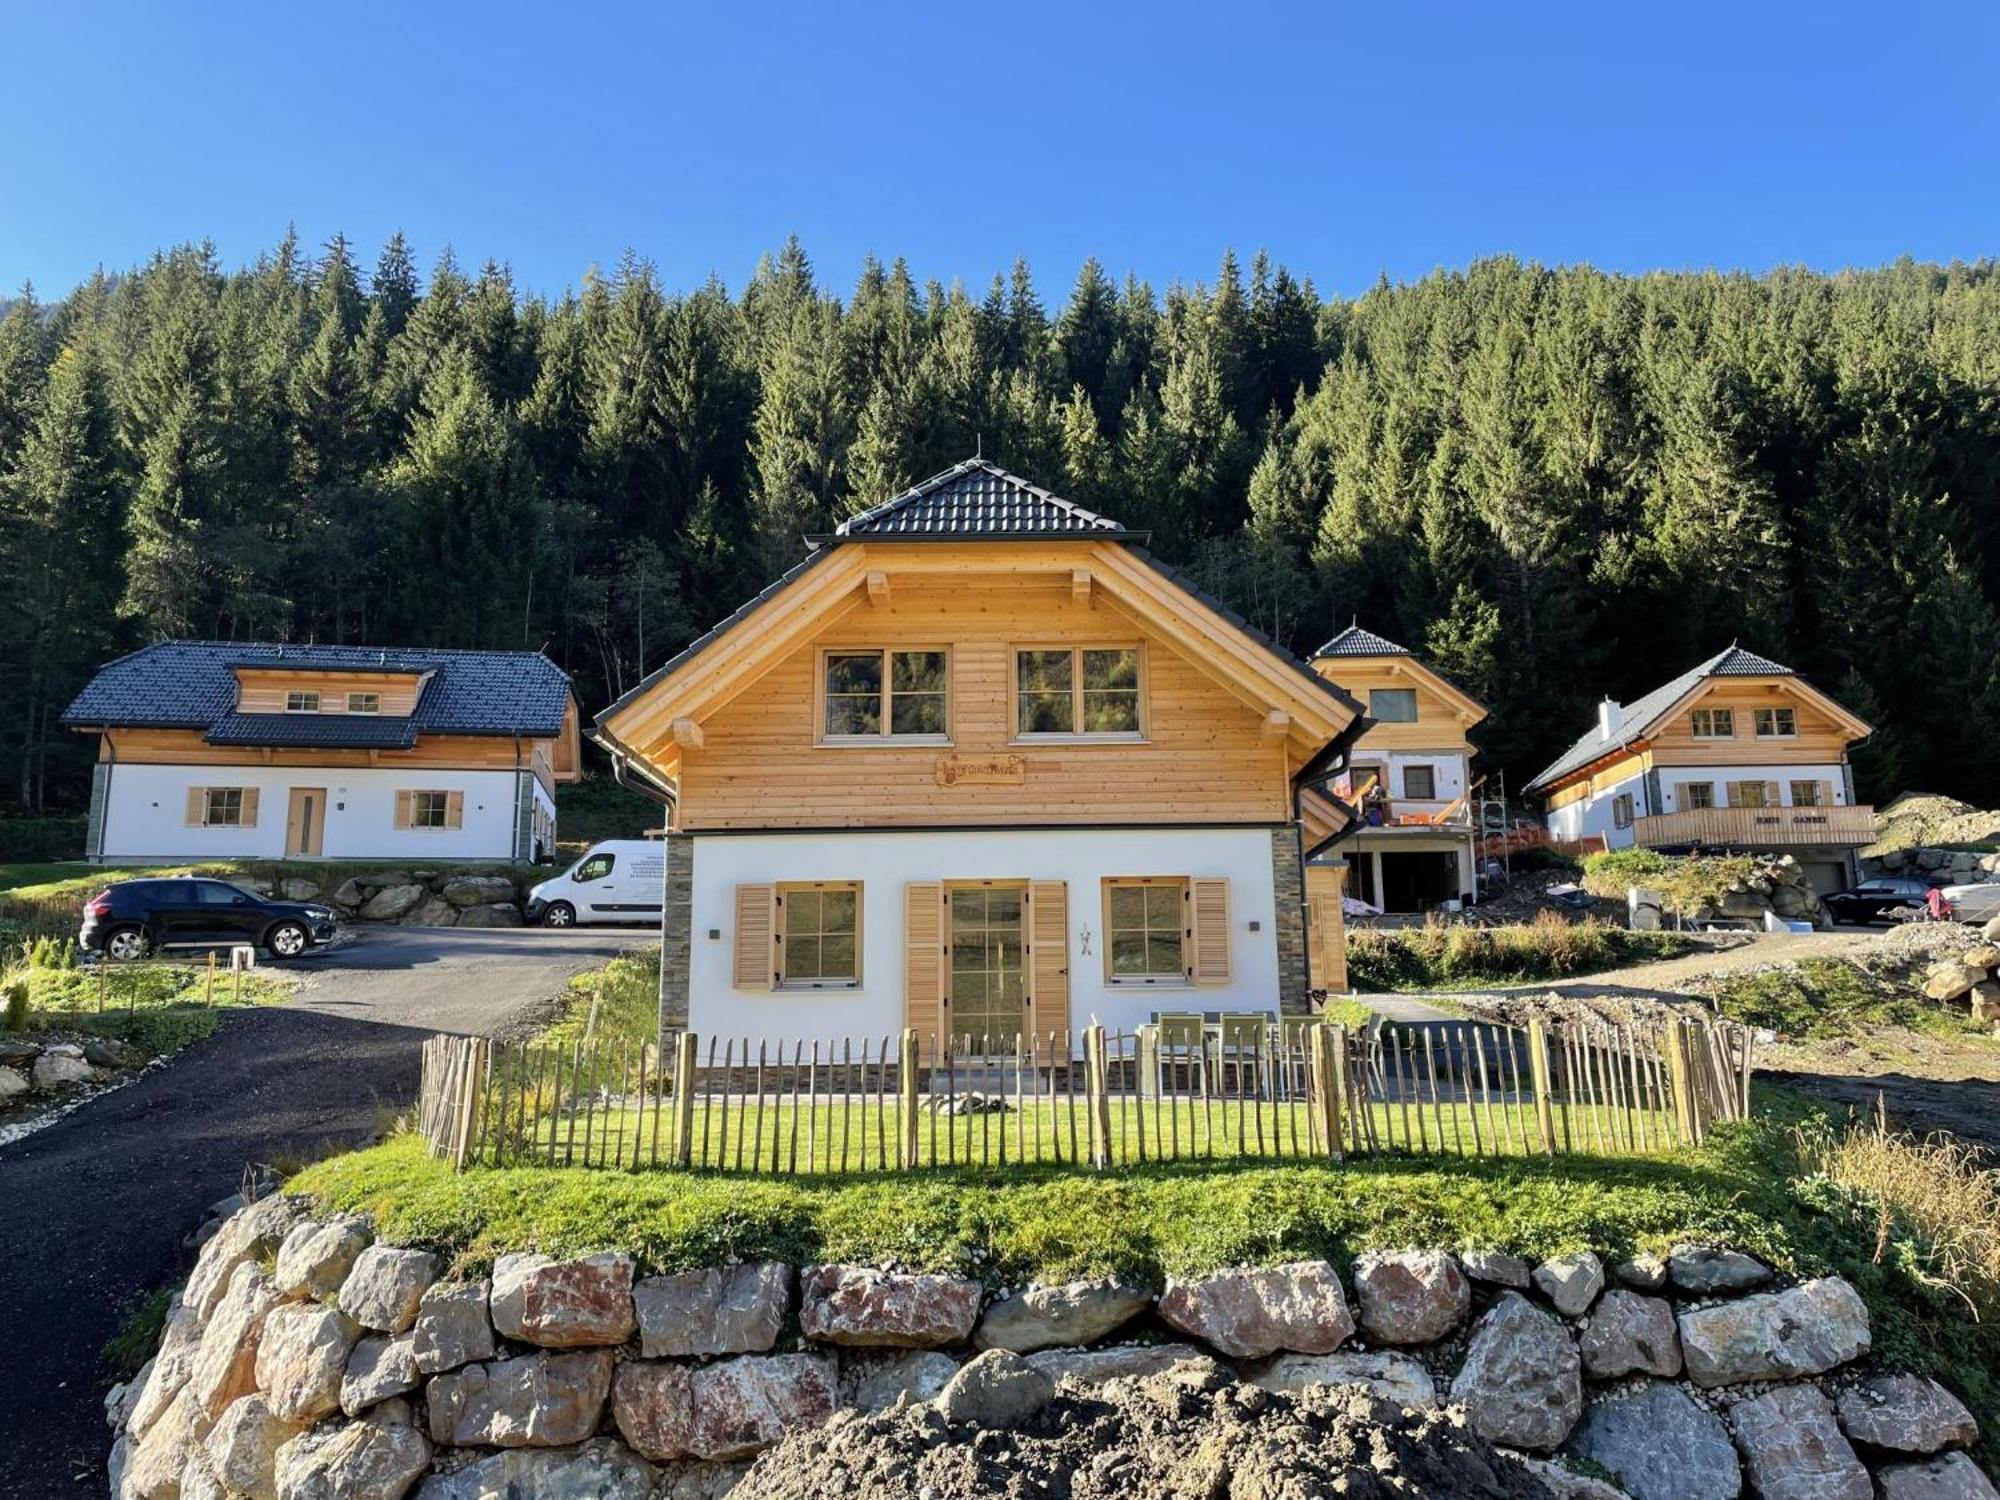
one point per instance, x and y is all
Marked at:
(302, 703)
(364, 703)
(1392, 705)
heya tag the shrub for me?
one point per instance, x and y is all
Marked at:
(1686, 884)
(1442, 955)
(16, 996)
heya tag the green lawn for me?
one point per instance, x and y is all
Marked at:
(157, 1007)
(1461, 956)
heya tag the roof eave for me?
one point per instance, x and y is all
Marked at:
(872, 538)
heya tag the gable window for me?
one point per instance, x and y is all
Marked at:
(426, 808)
(1420, 783)
(1621, 810)
(1777, 723)
(878, 694)
(1077, 690)
(1698, 793)
(1712, 723)
(224, 807)
(819, 935)
(364, 703)
(1144, 930)
(302, 703)
(1392, 705)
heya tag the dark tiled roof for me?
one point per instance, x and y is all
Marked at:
(318, 731)
(1354, 641)
(191, 685)
(1633, 717)
(977, 499)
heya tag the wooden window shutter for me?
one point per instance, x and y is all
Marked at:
(249, 807)
(454, 810)
(756, 960)
(1826, 794)
(923, 957)
(1048, 956)
(405, 801)
(197, 806)
(1735, 789)
(1208, 930)
(1773, 794)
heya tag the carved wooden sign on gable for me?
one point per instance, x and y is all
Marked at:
(981, 770)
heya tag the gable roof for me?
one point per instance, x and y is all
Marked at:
(1354, 641)
(977, 499)
(192, 685)
(1634, 719)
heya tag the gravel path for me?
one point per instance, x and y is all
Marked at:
(94, 1208)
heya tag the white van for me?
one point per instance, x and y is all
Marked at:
(619, 880)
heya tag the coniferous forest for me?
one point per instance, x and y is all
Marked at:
(1555, 482)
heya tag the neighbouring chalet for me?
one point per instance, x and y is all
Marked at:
(1737, 753)
(1410, 780)
(234, 750)
(980, 766)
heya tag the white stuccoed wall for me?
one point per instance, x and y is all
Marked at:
(885, 862)
(146, 809)
(1673, 777)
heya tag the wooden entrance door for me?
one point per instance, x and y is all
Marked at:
(305, 821)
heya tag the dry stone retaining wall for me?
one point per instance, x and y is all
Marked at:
(353, 1369)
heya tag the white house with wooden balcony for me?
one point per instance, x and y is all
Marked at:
(1738, 753)
(980, 766)
(245, 750)
(1410, 781)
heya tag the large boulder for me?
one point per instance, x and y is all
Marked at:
(386, 1286)
(601, 1469)
(1951, 1477)
(299, 890)
(1661, 1443)
(996, 1390)
(384, 879)
(61, 1064)
(566, 1304)
(1642, 1273)
(1088, 1367)
(542, 1400)
(1571, 1282)
(1495, 1268)
(1522, 1381)
(254, 1230)
(879, 1383)
(243, 1447)
(381, 1455)
(390, 902)
(745, 1404)
(1410, 1296)
(348, 895)
(1630, 1335)
(653, 1405)
(317, 1255)
(452, 1327)
(1901, 1413)
(1804, 1330)
(225, 1367)
(1705, 1271)
(734, 1310)
(1298, 1308)
(1794, 1448)
(432, 911)
(301, 1358)
(497, 914)
(1045, 1317)
(12, 1083)
(381, 1366)
(180, 1342)
(154, 1463)
(1393, 1377)
(1948, 979)
(865, 1307)
(478, 890)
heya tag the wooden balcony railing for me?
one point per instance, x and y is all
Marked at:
(1758, 827)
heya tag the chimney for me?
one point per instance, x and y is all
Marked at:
(1607, 718)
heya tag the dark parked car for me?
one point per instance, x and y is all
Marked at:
(138, 917)
(1877, 900)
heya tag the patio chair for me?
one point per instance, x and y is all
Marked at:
(1241, 1039)
(1182, 1040)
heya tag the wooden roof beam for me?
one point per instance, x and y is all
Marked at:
(1079, 586)
(686, 733)
(878, 586)
(1277, 726)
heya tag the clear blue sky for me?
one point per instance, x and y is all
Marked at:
(1350, 140)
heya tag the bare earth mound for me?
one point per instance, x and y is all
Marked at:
(1185, 1435)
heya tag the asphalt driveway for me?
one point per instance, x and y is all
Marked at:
(94, 1208)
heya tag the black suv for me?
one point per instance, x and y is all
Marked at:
(137, 917)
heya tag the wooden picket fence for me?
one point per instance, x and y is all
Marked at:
(1096, 1099)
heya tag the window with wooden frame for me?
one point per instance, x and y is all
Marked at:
(1811, 794)
(302, 703)
(801, 935)
(1078, 692)
(430, 809)
(871, 694)
(1166, 929)
(364, 703)
(221, 807)
(1753, 794)
(1392, 705)
(1622, 809)
(1712, 723)
(1777, 723)
(1698, 794)
(1420, 783)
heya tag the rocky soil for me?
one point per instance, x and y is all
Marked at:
(1188, 1433)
